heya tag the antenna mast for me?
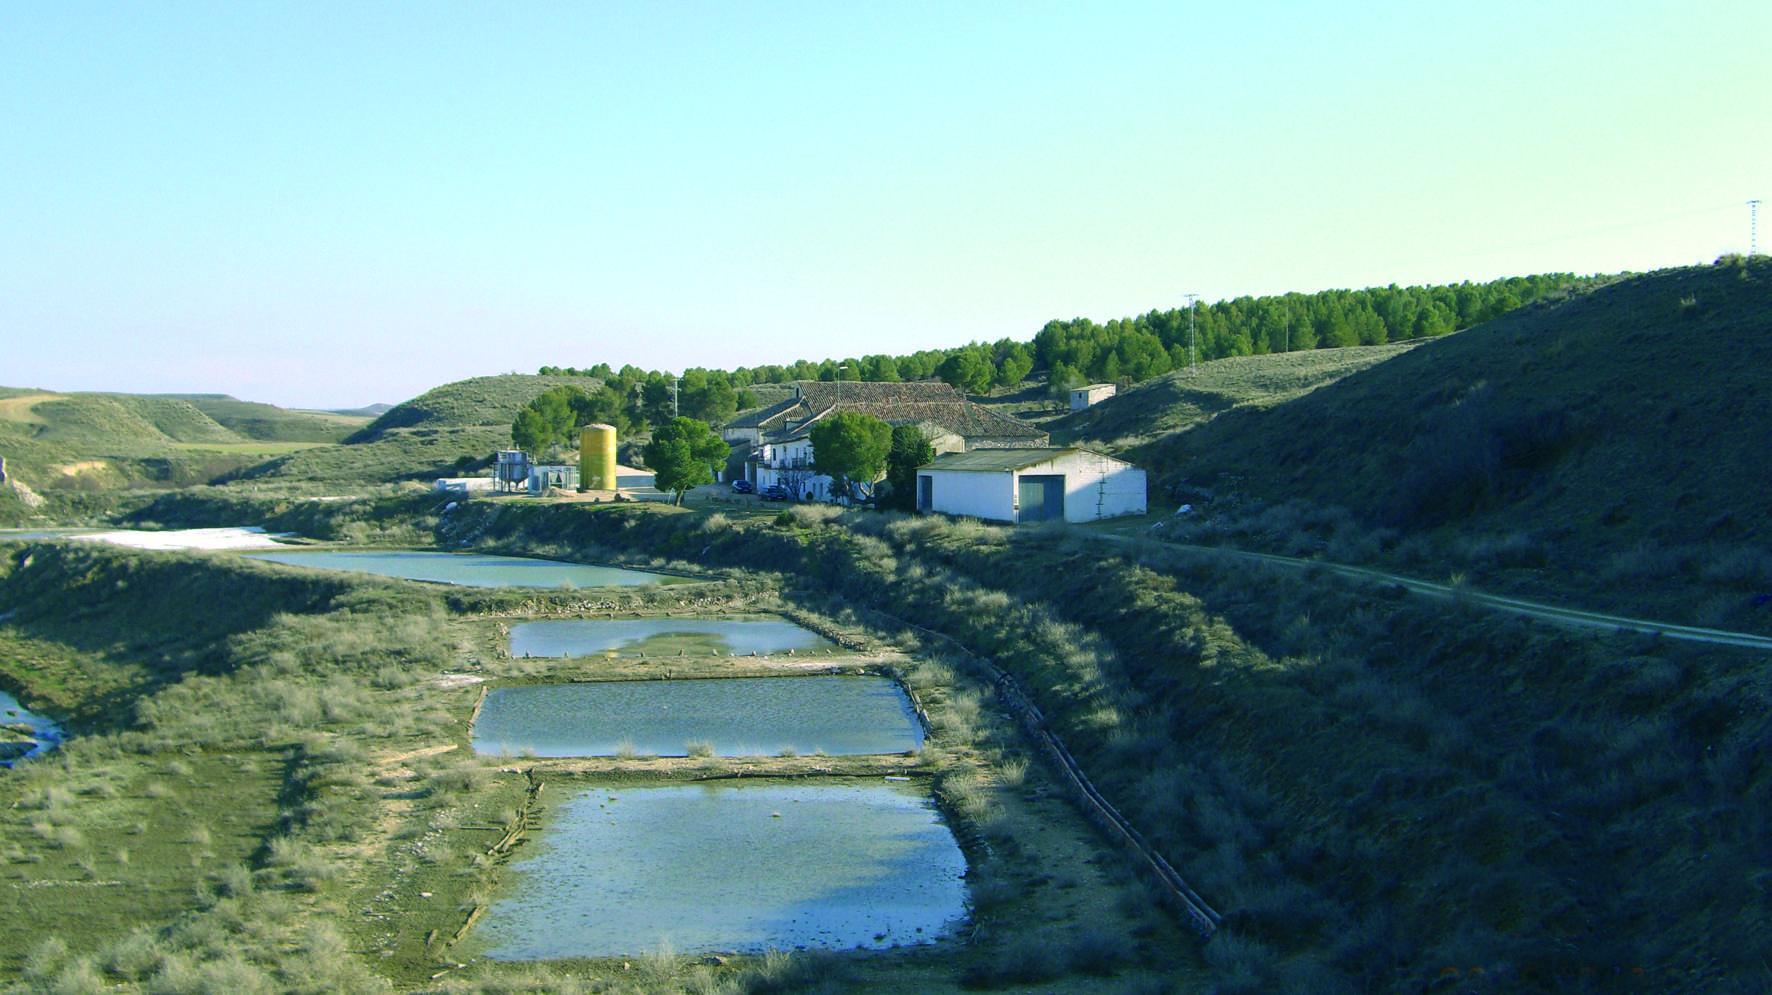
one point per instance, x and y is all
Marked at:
(1192, 361)
(1753, 228)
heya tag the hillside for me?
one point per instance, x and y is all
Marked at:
(440, 432)
(478, 401)
(80, 456)
(1615, 436)
(122, 422)
(395, 454)
(269, 423)
(1181, 399)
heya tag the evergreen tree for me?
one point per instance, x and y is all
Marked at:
(909, 450)
(683, 453)
(850, 448)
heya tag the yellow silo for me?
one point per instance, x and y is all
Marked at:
(596, 457)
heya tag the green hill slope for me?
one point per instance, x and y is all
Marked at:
(474, 402)
(1180, 399)
(1617, 436)
(119, 421)
(438, 433)
(269, 423)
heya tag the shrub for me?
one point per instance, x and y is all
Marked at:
(45, 959)
(806, 516)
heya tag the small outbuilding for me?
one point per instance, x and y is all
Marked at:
(1031, 485)
(541, 478)
(1095, 393)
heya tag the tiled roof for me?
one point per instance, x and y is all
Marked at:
(757, 417)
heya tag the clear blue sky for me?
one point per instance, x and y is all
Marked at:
(331, 204)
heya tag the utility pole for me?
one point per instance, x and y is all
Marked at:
(1193, 301)
(673, 395)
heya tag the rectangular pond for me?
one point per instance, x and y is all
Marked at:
(731, 867)
(662, 636)
(742, 717)
(468, 569)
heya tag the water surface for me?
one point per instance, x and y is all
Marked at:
(745, 717)
(29, 735)
(658, 636)
(731, 867)
(469, 569)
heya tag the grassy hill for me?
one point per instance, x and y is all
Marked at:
(395, 454)
(1181, 399)
(439, 433)
(477, 401)
(1609, 444)
(121, 422)
(80, 456)
(269, 423)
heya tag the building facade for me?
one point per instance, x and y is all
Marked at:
(1031, 485)
(780, 435)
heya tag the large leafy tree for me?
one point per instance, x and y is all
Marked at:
(850, 448)
(909, 451)
(683, 452)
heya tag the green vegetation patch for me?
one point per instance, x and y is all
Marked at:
(480, 401)
(95, 848)
(394, 454)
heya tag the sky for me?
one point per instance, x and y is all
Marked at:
(328, 205)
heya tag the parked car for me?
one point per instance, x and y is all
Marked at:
(742, 486)
(776, 492)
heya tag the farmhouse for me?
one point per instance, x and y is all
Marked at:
(780, 435)
(1031, 485)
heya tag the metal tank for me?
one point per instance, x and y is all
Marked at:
(596, 457)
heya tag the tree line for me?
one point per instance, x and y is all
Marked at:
(1133, 349)
(1080, 350)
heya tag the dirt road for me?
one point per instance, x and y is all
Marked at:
(1549, 613)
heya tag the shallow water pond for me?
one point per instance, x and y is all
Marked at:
(731, 867)
(744, 717)
(23, 734)
(469, 569)
(661, 636)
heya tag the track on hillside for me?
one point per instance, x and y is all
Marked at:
(1530, 609)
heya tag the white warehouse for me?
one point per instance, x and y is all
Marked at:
(1031, 485)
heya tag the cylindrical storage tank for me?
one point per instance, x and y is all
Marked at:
(596, 457)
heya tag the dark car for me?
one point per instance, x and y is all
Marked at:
(742, 486)
(776, 492)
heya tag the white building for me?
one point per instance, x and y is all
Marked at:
(781, 434)
(1031, 485)
(1095, 393)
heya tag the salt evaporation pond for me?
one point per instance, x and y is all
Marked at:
(469, 569)
(582, 637)
(30, 736)
(731, 867)
(840, 716)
